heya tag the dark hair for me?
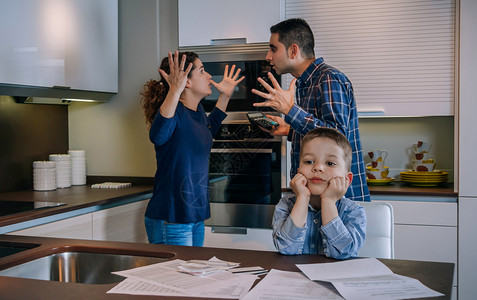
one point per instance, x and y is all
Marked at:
(155, 91)
(296, 31)
(335, 136)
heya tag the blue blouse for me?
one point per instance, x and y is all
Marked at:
(182, 145)
(341, 238)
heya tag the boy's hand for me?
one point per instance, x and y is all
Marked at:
(336, 189)
(298, 185)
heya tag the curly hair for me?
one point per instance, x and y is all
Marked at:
(154, 92)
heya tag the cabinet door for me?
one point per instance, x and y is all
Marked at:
(123, 223)
(206, 20)
(399, 56)
(247, 239)
(70, 43)
(79, 227)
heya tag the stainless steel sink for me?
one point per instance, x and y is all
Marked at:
(81, 267)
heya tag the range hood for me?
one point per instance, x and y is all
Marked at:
(51, 95)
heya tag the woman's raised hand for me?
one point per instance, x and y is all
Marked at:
(177, 78)
(227, 85)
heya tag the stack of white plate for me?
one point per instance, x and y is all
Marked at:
(44, 175)
(78, 167)
(63, 169)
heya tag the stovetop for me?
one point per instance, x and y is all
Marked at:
(14, 207)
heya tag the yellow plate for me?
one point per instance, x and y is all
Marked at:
(420, 174)
(423, 178)
(385, 181)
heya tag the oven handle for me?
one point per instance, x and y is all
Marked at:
(240, 150)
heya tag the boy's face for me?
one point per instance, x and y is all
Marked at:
(321, 160)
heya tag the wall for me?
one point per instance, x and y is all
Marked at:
(396, 135)
(28, 132)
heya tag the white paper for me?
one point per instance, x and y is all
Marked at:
(229, 290)
(164, 279)
(284, 285)
(387, 287)
(365, 267)
(367, 279)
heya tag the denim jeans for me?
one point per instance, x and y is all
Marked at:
(184, 234)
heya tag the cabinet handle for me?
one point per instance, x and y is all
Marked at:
(62, 87)
(229, 230)
(233, 41)
(240, 150)
(371, 112)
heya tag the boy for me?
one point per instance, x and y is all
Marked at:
(317, 218)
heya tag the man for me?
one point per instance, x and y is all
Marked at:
(324, 97)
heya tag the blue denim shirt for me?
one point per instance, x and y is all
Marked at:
(325, 98)
(341, 238)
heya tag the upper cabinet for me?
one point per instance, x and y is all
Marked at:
(61, 45)
(209, 22)
(400, 55)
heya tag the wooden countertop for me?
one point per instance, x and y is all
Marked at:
(78, 197)
(397, 188)
(437, 276)
(75, 197)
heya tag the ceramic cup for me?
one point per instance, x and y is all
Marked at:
(377, 173)
(375, 165)
(421, 147)
(424, 165)
(423, 156)
(378, 155)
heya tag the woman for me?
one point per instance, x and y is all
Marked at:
(182, 136)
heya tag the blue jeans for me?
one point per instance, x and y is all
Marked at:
(184, 234)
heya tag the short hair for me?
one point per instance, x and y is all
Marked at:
(335, 136)
(296, 31)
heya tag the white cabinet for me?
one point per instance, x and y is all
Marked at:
(400, 56)
(123, 223)
(243, 238)
(426, 231)
(200, 22)
(70, 43)
(79, 227)
(467, 149)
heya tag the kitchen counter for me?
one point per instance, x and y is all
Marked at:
(84, 197)
(437, 276)
(75, 197)
(401, 189)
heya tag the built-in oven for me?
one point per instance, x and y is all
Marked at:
(244, 174)
(246, 164)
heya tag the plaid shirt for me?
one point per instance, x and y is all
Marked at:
(324, 98)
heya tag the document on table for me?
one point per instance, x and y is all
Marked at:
(285, 285)
(367, 279)
(164, 279)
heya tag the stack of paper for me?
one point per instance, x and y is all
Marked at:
(203, 267)
(165, 279)
(355, 279)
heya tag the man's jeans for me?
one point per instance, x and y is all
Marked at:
(184, 234)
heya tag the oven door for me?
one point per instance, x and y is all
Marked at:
(244, 185)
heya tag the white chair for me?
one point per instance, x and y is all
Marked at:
(379, 230)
